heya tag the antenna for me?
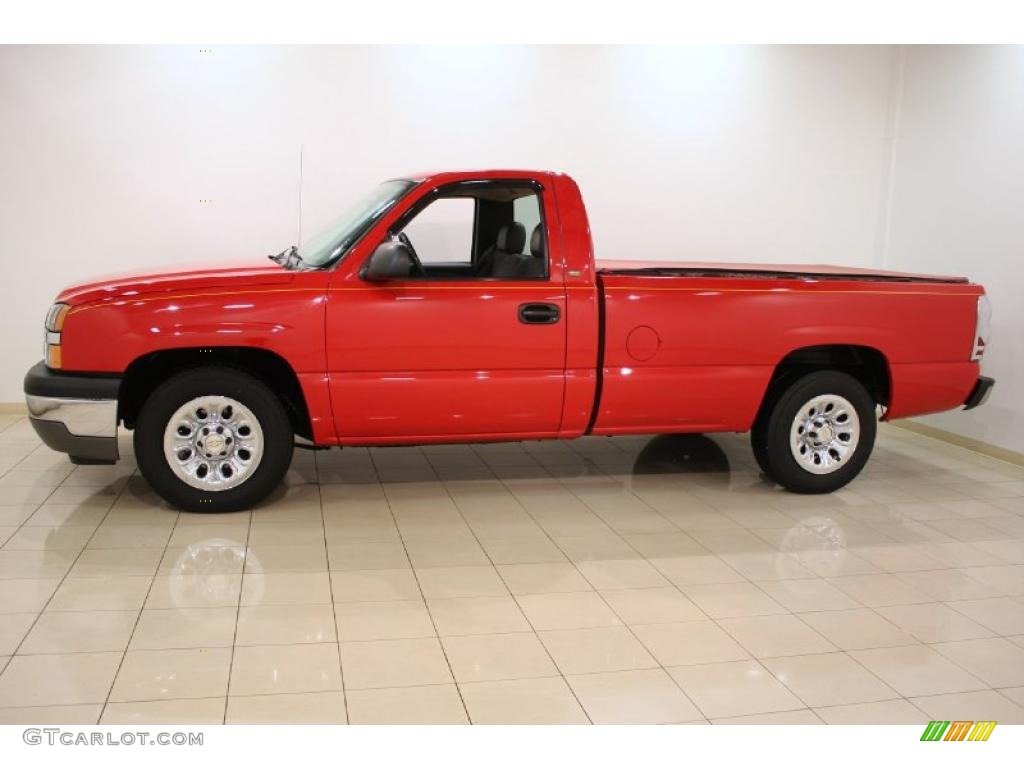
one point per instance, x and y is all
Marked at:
(298, 237)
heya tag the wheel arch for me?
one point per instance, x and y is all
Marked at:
(868, 365)
(146, 372)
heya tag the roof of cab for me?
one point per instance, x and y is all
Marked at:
(470, 173)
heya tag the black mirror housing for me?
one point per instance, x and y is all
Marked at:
(391, 260)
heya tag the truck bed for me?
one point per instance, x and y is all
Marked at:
(767, 271)
(692, 347)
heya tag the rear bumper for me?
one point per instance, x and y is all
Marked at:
(980, 393)
(73, 413)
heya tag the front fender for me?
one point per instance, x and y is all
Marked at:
(107, 337)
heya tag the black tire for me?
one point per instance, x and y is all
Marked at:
(784, 467)
(759, 444)
(759, 432)
(166, 399)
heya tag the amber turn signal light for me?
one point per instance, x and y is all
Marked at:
(56, 316)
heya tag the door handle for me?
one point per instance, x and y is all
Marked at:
(539, 314)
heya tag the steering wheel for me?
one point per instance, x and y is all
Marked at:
(416, 265)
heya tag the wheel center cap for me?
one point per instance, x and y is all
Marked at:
(825, 435)
(215, 443)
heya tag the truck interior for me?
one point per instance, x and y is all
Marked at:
(479, 231)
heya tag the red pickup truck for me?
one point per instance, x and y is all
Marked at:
(468, 307)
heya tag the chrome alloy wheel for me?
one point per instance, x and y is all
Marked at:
(213, 443)
(824, 434)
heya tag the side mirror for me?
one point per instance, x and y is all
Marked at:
(390, 261)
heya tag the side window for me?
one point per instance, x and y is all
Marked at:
(481, 232)
(442, 233)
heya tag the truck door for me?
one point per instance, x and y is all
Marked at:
(469, 346)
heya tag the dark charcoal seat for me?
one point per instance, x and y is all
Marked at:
(535, 265)
(504, 258)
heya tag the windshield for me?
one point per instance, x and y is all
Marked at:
(325, 247)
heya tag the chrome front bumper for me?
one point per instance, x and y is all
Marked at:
(83, 418)
(74, 414)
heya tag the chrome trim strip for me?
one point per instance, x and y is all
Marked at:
(83, 418)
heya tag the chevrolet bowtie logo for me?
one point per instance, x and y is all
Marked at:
(958, 730)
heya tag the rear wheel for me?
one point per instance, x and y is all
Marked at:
(819, 433)
(213, 439)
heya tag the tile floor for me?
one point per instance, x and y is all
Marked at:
(627, 580)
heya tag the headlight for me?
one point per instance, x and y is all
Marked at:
(982, 329)
(54, 325)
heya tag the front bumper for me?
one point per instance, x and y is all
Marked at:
(74, 413)
(980, 393)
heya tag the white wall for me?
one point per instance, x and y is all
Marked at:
(907, 158)
(958, 203)
(742, 153)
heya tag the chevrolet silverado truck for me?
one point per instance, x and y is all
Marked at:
(468, 307)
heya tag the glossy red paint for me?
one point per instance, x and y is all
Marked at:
(112, 324)
(448, 361)
(720, 340)
(583, 314)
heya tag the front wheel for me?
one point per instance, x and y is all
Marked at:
(820, 432)
(759, 444)
(213, 439)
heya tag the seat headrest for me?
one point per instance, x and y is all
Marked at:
(512, 238)
(537, 241)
